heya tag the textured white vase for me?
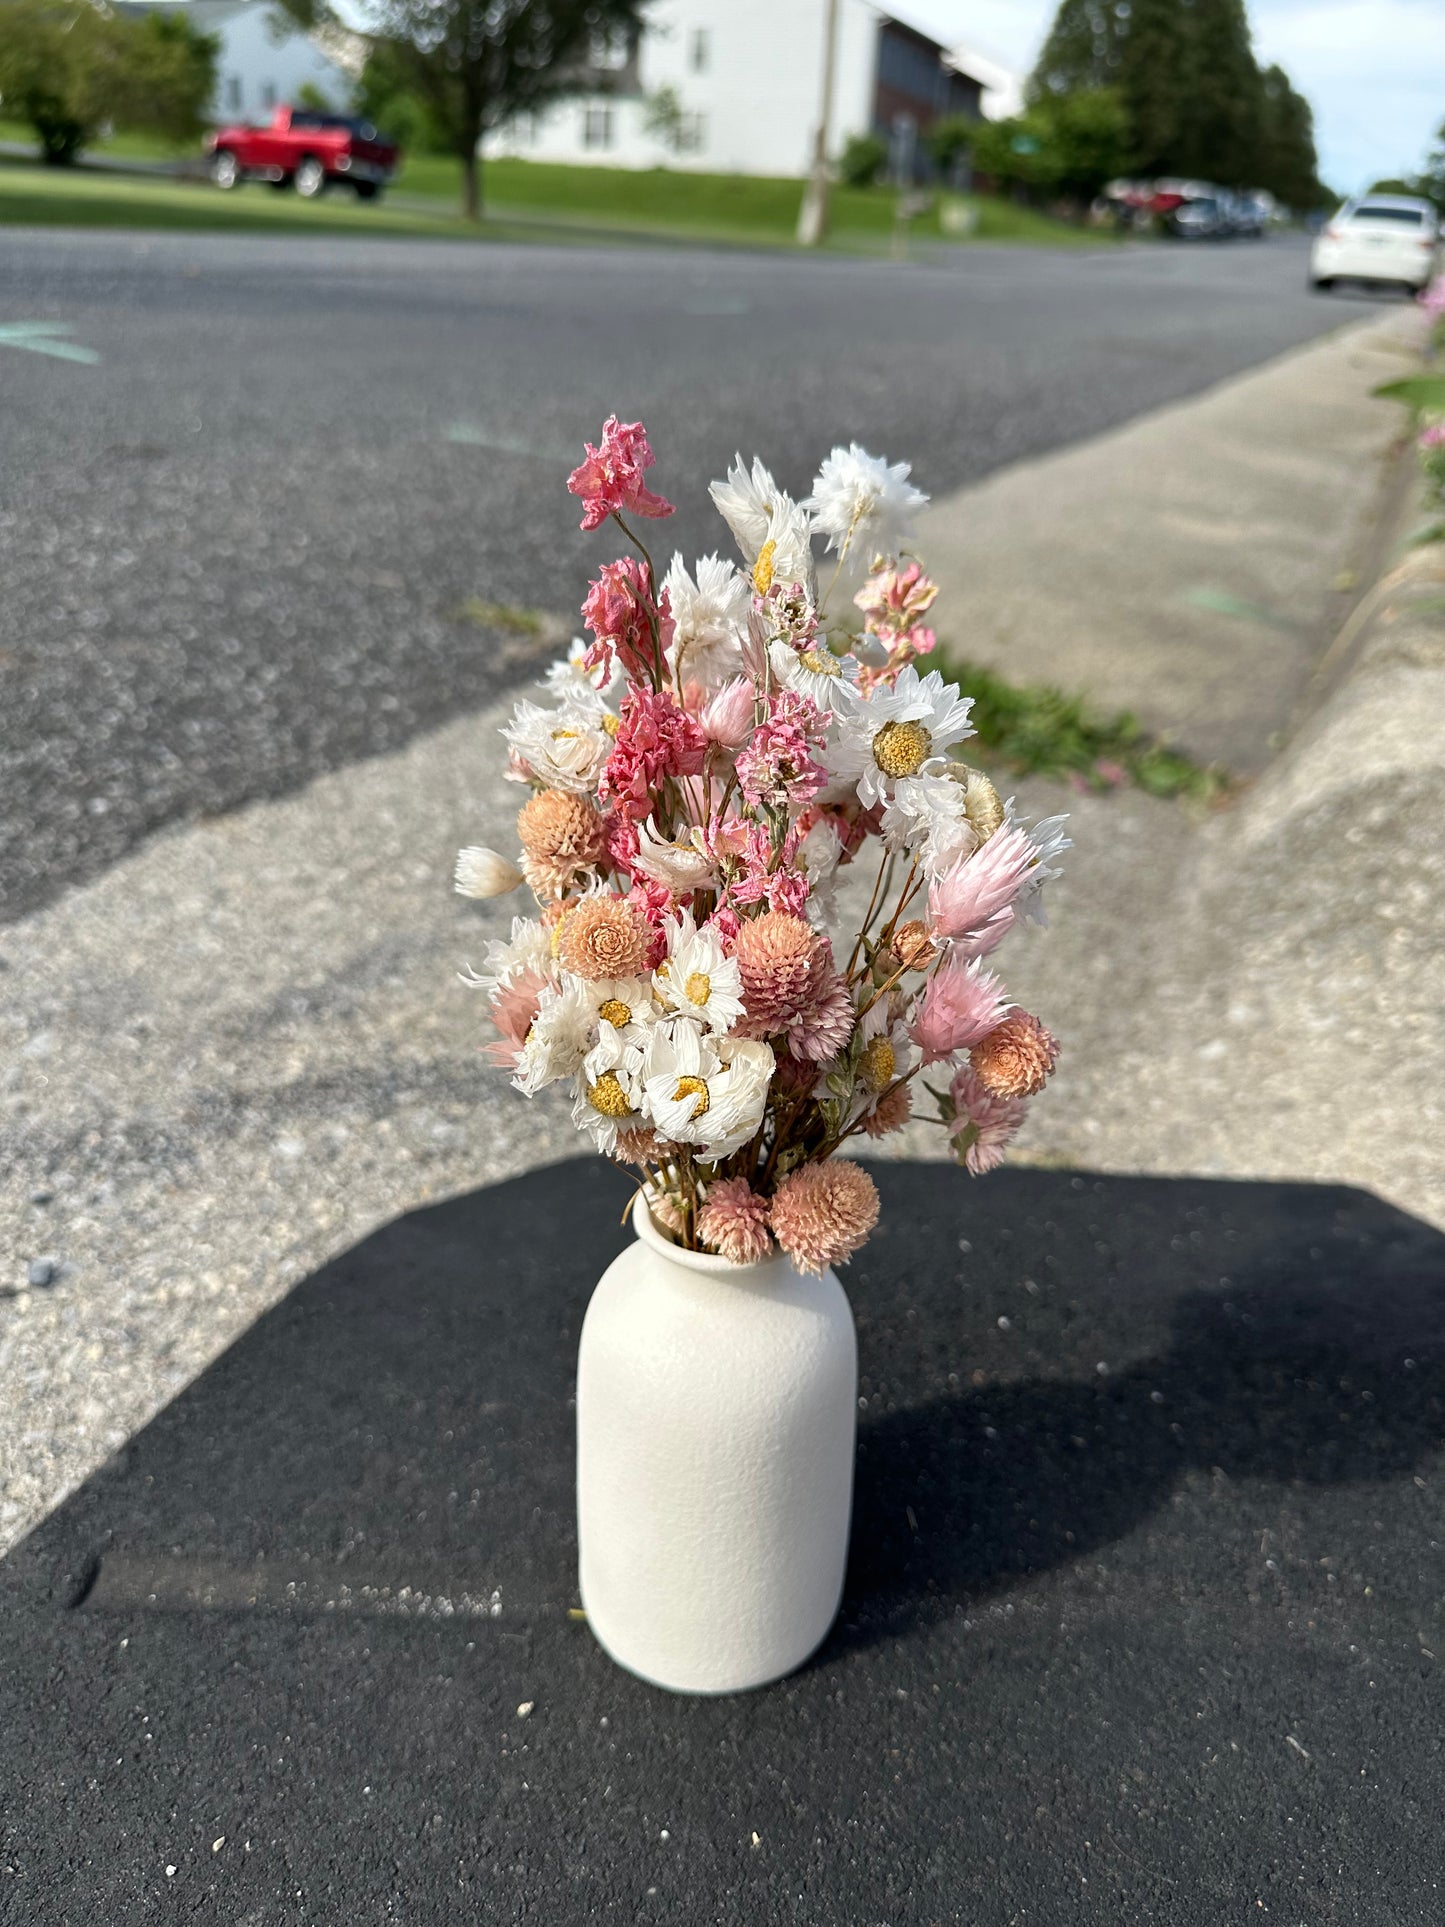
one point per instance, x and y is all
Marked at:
(716, 1407)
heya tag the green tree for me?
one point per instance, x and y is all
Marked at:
(67, 68)
(477, 64)
(1432, 181)
(385, 96)
(949, 140)
(1069, 145)
(863, 159)
(1285, 158)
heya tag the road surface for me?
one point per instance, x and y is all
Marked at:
(236, 540)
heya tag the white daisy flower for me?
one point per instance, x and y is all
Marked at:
(683, 867)
(528, 948)
(608, 1097)
(562, 1033)
(745, 502)
(709, 614)
(569, 674)
(566, 748)
(482, 872)
(890, 735)
(626, 1003)
(864, 505)
(814, 672)
(697, 978)
(708, 1091)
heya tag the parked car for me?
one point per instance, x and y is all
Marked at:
(1200, 218)
(304, 150)
(1381, 237)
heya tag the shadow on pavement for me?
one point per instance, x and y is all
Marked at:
(1145, 1590)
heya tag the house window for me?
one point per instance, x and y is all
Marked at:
(233, 93)
(692, 133)
(268, 95)
(597, 126)
(700, 50)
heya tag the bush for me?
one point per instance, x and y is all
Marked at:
(862, 160)
(950, 140)
(67, 69)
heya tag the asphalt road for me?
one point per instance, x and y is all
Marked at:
(235, 546)
(1142, 1621)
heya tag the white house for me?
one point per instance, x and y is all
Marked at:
(265, 59)
(740, 83)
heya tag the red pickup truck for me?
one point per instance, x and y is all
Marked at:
(304, 150)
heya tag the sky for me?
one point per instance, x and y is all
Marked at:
(1373, 70)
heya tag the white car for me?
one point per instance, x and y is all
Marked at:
(1380, 237)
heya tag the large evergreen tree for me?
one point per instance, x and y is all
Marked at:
(1196, 102)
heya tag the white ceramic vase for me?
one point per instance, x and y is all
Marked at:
(716, 1408)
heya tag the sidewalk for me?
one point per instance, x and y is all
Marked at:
(245, 1047)
(1196, 562)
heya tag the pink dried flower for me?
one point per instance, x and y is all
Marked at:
(784, 963)
(1016, 1058)
(561, 837)
(609, 479)
(895, 598)
(1433, 437)
(727, 716)
(641, 1145)
(891, 1112)
(776, 770)
(625, 621)
(970, 903)
(513, 1009)
(656, 739)
(734, 1222)
(601, 936)
(822, 1213)
(961, 1004)
(985, 1124)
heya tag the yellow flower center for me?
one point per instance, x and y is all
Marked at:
(901, 749)
(608, 1096)
(556, 940)
(698, 987)
(878, 1063)
(692, 1087)
(616, 1012)
(610, 723)
(822, 662)
(763, 568)
(565, 735)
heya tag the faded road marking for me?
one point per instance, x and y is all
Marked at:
(37, 336)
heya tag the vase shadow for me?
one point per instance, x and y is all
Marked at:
(1332, 1374)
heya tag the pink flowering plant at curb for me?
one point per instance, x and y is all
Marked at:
(720, 746)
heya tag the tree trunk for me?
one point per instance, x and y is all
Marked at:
(471, 185)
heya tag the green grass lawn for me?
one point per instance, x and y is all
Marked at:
(523, 197)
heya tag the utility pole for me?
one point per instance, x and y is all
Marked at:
(813, 214)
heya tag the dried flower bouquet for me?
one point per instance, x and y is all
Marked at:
(724, 743)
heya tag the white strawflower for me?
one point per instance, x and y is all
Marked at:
(786, 555)
(697, 978)
(529, 948)
(707, 1091)
(710, 615)
(683, 866)
(565, 748)
(862, 504)
(561, 1034)
(745, 502)
(927, 816)
(818, 857)
(481, 872)
(892, 734)
(1049, 840)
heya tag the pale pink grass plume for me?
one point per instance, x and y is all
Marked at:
(961, 1005)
